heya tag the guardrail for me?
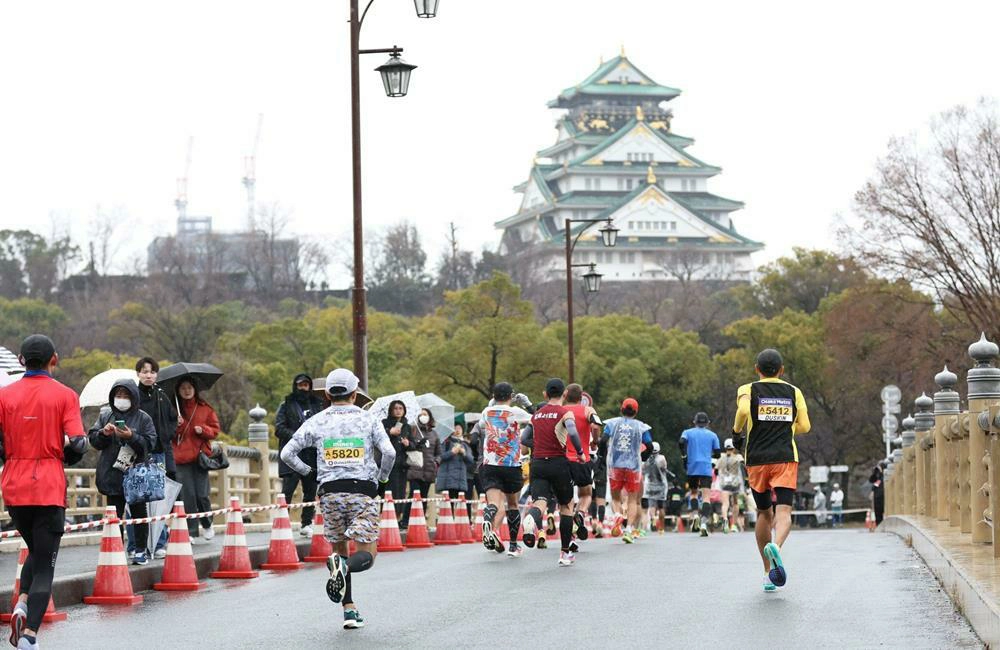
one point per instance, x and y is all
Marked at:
(944, 468)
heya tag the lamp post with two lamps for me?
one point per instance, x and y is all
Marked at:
(592, 279)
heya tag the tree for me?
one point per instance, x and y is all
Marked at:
(24, 316)
(456, 268)
(398, 281)
(177, 333)
(931, 214)
(32, 266)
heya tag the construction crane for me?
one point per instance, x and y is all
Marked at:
(250, 174)
(182, 196)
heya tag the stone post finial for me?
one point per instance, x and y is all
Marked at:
(984, 379)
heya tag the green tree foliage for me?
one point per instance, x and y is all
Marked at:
(800, 282)
(76, 369)
(23, 316)
(31, 265)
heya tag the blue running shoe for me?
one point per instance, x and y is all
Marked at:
(777, 573)
(769, 587)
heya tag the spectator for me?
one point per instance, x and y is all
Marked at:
(197, 426)
(837, 505)
(456, 466)
(155, 403)
(475, 440)
(877, 480)
(399, 435)
(125, 435)
(299, 405)
(424, 440)
(819, 505)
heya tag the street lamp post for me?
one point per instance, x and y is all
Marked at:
(396, 79)
(592, 279)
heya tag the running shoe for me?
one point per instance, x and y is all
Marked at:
(515, 550)
(777, 573)
(581, 526)
(541, 542)
(599, 534)
(140, 559)
(550, 528)
(352, 619)
(528, 536)
(497, 543)
(305, 531)
(574, 547)
(734, 529)
(24, 644)
(208, 533)
(337, 583)
(18, 619)
(769, 587)
(616, 529)
(160, 553)
(627, 537)
(704, 528)
(488, 541)
(566, 558)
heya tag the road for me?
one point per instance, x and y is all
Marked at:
(846, 588)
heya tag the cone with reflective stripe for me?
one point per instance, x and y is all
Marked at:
(389, 539)
(112, 583)
(417, 535)
(179, 573)
(320, 549)
(869, 522)
(444, 533)
(281, 553)
(462, 526)
(50, 613)
(235, 559)
(504, 531)
(480, 512)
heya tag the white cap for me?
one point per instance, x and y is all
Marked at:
(341, 383)
(836, 486)
(729, 444)
(656, 447)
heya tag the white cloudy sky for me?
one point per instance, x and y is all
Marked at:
(795, 100)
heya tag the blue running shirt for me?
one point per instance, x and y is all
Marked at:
(627, 435)
(700, 444)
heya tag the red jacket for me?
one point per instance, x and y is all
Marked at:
(187, 442)
(35, 413)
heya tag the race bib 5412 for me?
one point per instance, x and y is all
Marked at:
(774, 409)
(344, 451)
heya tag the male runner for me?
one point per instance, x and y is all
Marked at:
(551, 426)
(40, 420)
(629, 442)
(730, 468)
(772, 412)
(499, 427)
(585, 418)
(599, 466)
(345, 438)
(699, 445)
(654, 494)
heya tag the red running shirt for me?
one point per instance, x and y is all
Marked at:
(581, 414)
(549, 431)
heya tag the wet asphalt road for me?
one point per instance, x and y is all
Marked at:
(846, 589)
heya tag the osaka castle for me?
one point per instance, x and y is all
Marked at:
(617, 157)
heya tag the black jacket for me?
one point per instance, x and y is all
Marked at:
(397, 441)
(109, 480)
(155, 403)
(296, 409)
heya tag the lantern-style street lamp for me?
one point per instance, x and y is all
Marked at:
(395, 75)
(592, 279)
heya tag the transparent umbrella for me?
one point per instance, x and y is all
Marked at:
(409, 399)
(443, 412)
(96, 392)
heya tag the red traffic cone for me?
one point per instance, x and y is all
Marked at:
(281, 552)
(389, 539)
(179, 573)
(444, 533)
(320, 549)
(870, 521)
(480, 511)
(235, 559)
(504, 530)
(462, 525)
(680, 524)
(417, 535)
(112, 583)
(50, 613)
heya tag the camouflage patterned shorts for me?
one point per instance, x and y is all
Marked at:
(350, 516)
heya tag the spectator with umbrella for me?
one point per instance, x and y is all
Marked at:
(398, 428)
(300, 405)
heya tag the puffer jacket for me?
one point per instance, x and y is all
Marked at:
(143, 440)
(188, 442)
(455, 469)
(428, 443)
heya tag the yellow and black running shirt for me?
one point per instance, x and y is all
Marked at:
(773, 412)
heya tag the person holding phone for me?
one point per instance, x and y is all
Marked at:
(401, 438)
(125, 435)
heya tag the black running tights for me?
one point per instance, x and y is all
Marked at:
(41, 527)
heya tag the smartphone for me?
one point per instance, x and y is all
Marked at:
(120, 424)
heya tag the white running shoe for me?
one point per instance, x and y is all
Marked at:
(208, 533)
(515, 551)
(528, 536)
(566, 559)
(306, 531)
(160, 553)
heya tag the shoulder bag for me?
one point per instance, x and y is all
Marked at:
(216, 461)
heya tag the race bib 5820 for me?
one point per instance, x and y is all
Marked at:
(774, 409)
(344, 451)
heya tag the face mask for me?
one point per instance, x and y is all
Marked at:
(122, 404)
(423, 419)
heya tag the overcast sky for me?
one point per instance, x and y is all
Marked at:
(795, 100)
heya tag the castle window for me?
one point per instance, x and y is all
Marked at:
(587, 183)
(628, 183)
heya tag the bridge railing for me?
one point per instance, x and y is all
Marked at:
(945, 468)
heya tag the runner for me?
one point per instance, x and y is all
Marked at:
(551, 427)
(345, 438)
(699, 446)
(772, 412)
(731, 479)
(599, 467)
(586, 420)
(629, 442)
(499, 428)
(654, 496)
(42, 429)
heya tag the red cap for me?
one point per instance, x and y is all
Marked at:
(630, 403)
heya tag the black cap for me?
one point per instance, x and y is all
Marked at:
(769, 362)
(37, 349)
(503, 391)
(701, 418)
(554, 387)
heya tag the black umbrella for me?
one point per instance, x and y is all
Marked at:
(204, 376)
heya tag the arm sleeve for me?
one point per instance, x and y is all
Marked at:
(742, 409)
(381, 439)
(528, 436)
(78, 444)
(290, 452)
(802, 424)
(571, 433)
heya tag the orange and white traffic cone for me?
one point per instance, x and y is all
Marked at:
(444, 534)
(179, 573)
(112, 583)
(417, 535)
(480, 511)
(504, 531)
(462, 525)
(389, 539)
(680, 524)
(320, 549)
(281, 552)
(50, 613)
(870, 521)
(235, 559)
